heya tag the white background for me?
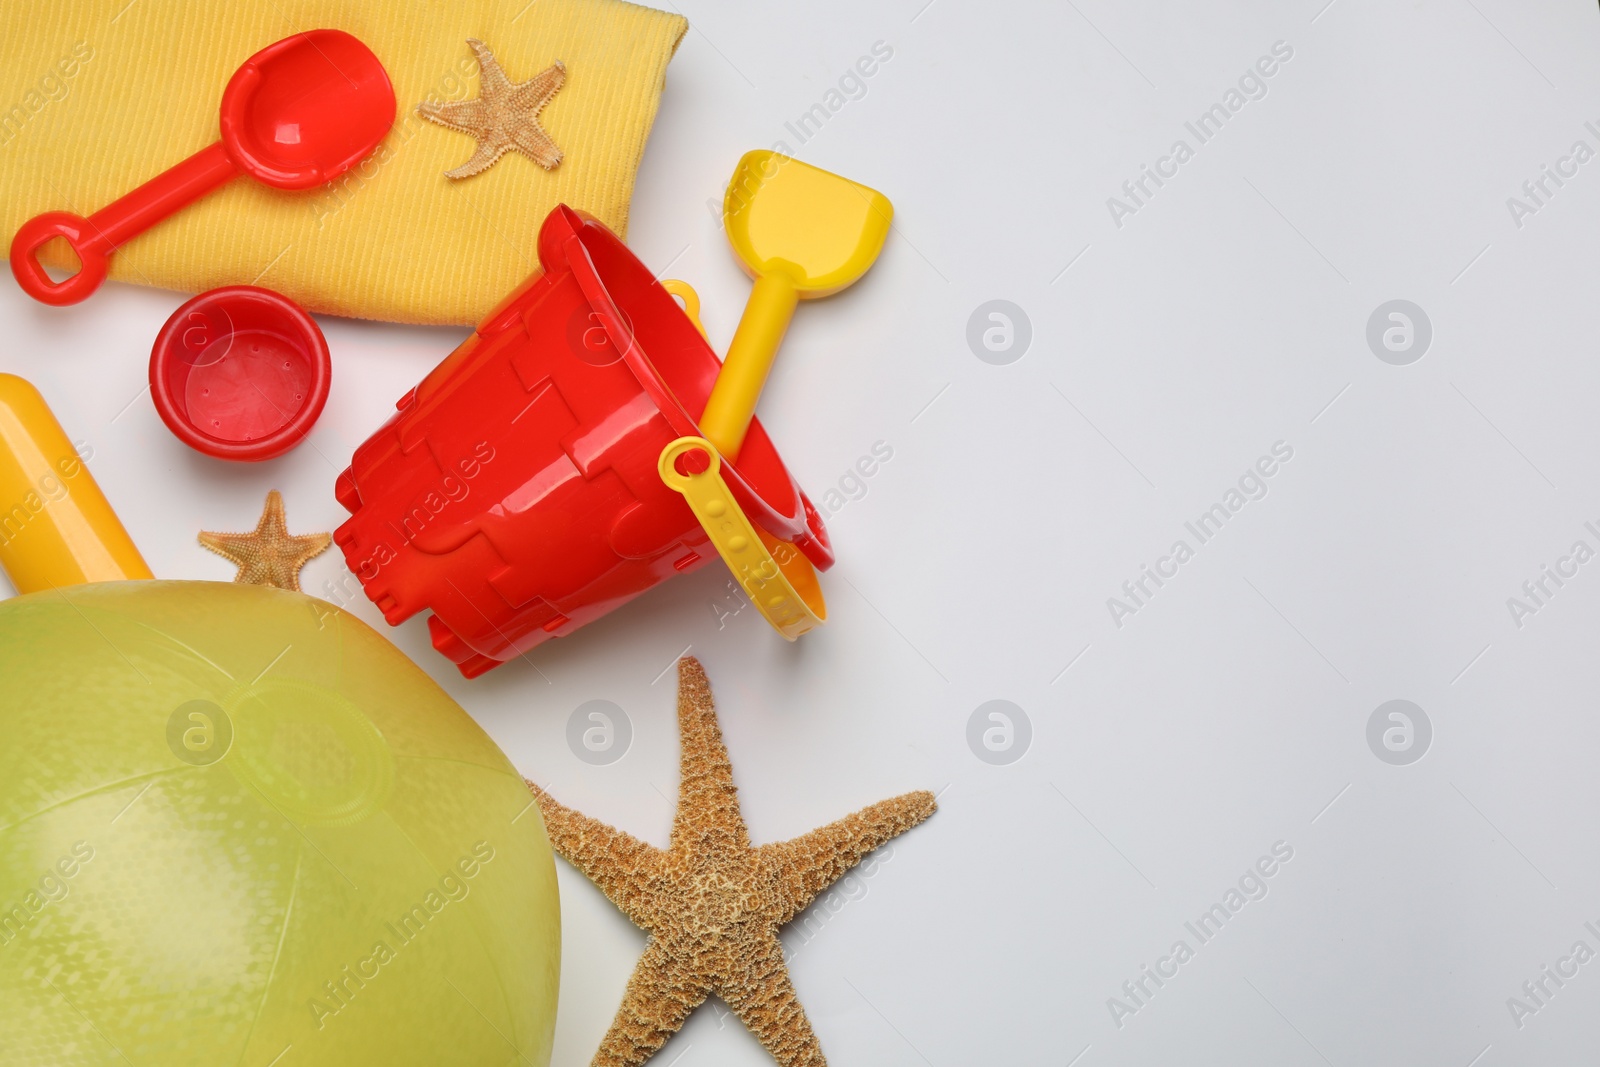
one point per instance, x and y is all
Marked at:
(1230, 712)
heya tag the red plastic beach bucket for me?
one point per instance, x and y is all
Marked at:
(516, 493)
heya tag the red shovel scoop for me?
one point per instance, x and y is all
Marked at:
(297, 114)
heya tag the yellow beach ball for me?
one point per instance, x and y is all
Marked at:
(238, 826)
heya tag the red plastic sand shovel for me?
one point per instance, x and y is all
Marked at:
(297, 114)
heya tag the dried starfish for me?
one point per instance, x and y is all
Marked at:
(711, 902)
(504, 117)
(270, 555)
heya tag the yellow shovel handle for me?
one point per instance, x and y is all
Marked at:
(777, 578)
(732, 403)
(56, 526)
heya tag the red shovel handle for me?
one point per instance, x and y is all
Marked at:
(80, 234)
(96, 237)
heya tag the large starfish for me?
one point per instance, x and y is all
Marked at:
(504, 117)
(711, 902)
(270, 554)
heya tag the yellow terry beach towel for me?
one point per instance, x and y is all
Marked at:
(98, 96)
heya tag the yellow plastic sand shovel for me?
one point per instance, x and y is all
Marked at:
(802, 233)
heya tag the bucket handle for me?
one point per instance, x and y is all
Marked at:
(775, 575)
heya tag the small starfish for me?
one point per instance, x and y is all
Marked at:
(503, 117)
(270, 555)
(711, 902)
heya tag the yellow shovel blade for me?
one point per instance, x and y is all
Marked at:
(819, 230)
